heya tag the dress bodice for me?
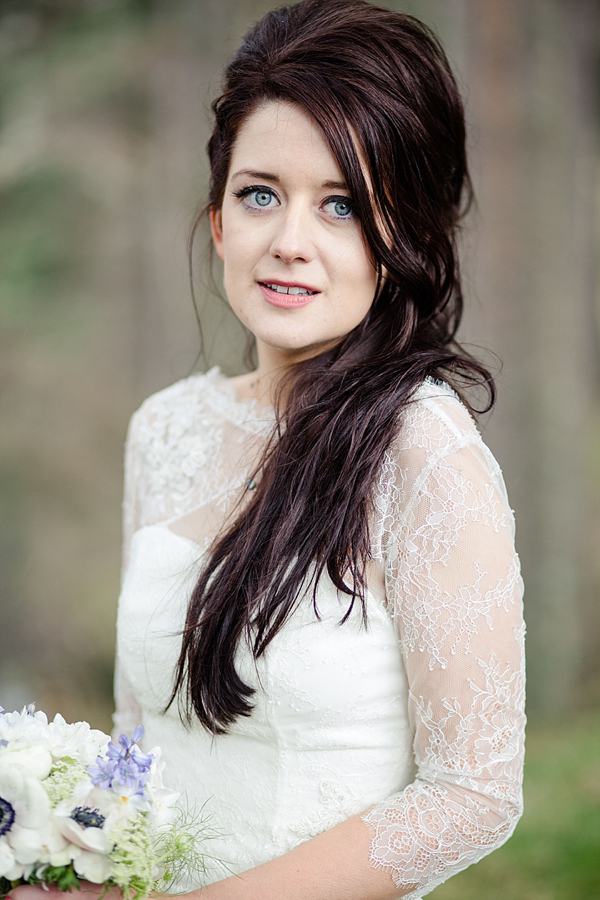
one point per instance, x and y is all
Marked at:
(416, 717)
(328, 735)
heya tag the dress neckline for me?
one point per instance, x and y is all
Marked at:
(243, 412)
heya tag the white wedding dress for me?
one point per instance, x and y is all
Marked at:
(417, 718)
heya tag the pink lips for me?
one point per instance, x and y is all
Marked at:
(287, 301)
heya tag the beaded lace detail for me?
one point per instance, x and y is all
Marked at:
(445, 566)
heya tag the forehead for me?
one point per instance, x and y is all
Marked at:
(282, 139)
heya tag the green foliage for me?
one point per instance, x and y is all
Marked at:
(181, 852)
(58, 14)
(38, 227)
(63, 877)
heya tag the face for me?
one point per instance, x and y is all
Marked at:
(297, 271)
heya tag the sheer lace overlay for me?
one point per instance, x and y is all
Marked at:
(419, 718)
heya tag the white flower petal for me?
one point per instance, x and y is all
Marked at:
(7, 858)
(40, 845)
(26, 795)
(163, 808)
(77, 740)
(26, 844)
(18, 871)
(35, 759)
(87, 838)
(92, 866)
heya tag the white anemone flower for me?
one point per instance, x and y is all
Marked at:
(86, 827)
(24, 794)
(87, 820)
(25, 817)
(108, 804)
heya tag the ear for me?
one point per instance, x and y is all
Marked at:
(216, 230)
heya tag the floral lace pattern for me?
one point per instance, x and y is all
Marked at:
(443, 548)
(454, 588)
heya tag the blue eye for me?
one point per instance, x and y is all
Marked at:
(262, 198)
(256, 197)
(341, 207)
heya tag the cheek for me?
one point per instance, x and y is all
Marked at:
(242, 248)
(366, 277)
(364, 295)
(356, 260)
(234, 260)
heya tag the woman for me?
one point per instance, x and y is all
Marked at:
(329, 533)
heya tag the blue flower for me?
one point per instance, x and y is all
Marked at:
(126, 768)
(102, 772)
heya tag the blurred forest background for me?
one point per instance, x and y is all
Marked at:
(103, 124)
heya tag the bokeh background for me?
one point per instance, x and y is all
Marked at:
(103, 123)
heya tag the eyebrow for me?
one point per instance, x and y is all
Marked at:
(268, 176)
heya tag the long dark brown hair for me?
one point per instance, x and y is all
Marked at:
(365, 71)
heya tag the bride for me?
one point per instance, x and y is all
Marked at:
(320, 620)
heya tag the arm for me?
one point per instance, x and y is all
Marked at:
(453, 577)
(331, 866)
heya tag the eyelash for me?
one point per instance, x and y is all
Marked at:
(256, 188)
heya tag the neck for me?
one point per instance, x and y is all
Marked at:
(263, 383)
(274, 363)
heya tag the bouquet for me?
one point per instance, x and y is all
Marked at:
(75, 806)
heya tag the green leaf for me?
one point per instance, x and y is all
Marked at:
(64, 877)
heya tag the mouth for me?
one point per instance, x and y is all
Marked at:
(286, 294)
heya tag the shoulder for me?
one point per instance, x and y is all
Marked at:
(438, 476)
(437, 441)
(181, 399)
(175, 435)
(434, 425)
(193, 406)
(435, 422)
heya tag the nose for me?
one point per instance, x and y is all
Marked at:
(292, 240)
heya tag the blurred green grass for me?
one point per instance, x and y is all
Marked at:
(554, 853)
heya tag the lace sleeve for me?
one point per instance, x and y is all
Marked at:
(127, 713)
(454, 586)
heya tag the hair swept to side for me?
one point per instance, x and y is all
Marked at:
(366, 71)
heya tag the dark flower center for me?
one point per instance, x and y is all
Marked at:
(88, 817)
(7, 816)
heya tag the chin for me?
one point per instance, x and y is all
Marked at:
(300, 348)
